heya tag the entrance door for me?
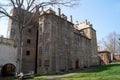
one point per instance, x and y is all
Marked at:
(76, 64)
(8, 70)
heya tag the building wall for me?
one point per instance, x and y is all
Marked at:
(67, 45)
(57, 45)
(59, 35)
(7, 52)
(29, 42)
(104, 57)
(86, 29)
(117, 57)
(82, 51)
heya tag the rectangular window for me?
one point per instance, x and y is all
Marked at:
(40, 27)
(66, 41)
(40, 50)
(29, 30)
(28, 41)
(47, 37)
(65, 31)
(40, 63)
(47, 26)
(27, 53)
(46, 63)
(47, 49)
(14, 23)
(13, 32)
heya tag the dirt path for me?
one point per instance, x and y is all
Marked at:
(58, 76)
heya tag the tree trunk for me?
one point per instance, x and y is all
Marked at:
(20, 51)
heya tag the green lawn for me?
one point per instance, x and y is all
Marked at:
(106, 72)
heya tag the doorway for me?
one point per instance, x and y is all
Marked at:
(8, 70)
(76, 64)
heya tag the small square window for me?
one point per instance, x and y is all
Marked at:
(13, 32)
(28, 41)
(29, 30)
(27, 53)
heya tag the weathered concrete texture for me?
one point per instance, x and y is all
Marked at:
(8, 53)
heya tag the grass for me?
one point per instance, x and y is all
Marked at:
(106, 72)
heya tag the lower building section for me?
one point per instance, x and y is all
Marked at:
(61, 64)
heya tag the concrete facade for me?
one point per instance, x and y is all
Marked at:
(8, 54)
(56, 44)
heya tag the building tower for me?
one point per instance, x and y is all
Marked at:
(86, 29)
(29, 39)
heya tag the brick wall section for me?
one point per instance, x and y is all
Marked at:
(104, 57)
(117, 57)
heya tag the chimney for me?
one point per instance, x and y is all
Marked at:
(71, 20)
(86, 21)
(59, 12)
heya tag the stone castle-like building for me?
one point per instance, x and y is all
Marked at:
(55, 44)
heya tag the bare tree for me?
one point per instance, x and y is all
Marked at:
(111, 43)
(23, 10)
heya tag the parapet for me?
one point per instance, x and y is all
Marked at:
(50, 11)
(6, 40)
(84, 24)
(63, 16)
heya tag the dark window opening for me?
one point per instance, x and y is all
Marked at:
(28, 41)
(40, 63)
(29, 30)
(46, 63)
(47, 48)
(27, 53)
(13, 32)
(40, 50)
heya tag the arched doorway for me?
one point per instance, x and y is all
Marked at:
(8, 70)
(76, 64)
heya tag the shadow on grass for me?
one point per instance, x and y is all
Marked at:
(83, 70)
(89, 70)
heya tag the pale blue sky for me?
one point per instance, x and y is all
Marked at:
(103, 14)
